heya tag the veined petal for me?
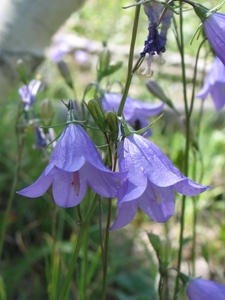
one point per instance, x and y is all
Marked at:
(218, 95)
(140, 155)
(190, 188)
(157, 202)
(39, 187)
(64, 192)
(126, 213)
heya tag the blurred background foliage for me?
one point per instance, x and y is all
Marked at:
(41, 237)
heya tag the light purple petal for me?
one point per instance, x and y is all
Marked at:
(201, 289)
(126, 213)
(218, 95)
(133, 191)
(158, 203)
(190, 188)
(63, 189)
(103, 183)
(133, 109)
(73, 148)
(39, 187)
(214, 27)
(139, 156)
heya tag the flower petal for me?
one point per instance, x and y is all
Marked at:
(190, 188)
(63, 189)
(201, 289)
(157, 202)
(126, 213)
(39, 187)
(103, 183)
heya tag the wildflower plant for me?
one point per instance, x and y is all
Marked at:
(106, 149)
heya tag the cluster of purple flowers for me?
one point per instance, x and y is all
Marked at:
(147, 177)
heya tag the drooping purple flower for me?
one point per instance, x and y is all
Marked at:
(214, 27)
(151, 182)
(215, 84)
(28, 92)
(135, 112)
(201, 289)
(74, 164)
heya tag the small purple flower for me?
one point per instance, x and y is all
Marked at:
(214, 27)
(150, 183)
(28, 93)
(58, 51)
(215, 84)
(74, 164)
(201, 289)
(135, 112)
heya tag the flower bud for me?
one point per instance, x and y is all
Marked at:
(22, 71)
(65, 72)
(112, 124)
(156, 90)
(97, 114)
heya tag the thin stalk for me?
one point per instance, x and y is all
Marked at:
(130, 61)
(106, 252)
(187, 148)
(80, 238)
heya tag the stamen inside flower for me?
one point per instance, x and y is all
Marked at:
(76, 182)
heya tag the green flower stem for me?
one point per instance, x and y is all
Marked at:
(187, 149)
(106, 250)
(80, 238)
(130, 61)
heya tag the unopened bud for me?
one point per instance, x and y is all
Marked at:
(97, 114)
(65, 72)
(156, 90)
(22, 71)
(112, 124)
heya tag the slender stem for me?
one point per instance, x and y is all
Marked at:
(187, 148)
(130, 61)
(106, 252)
(80, 238)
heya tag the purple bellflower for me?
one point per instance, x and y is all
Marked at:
(201, 289)
(28, 93)
(74, 164)
(150, 183)
(135, 112)
(215, 84)
(214, 27)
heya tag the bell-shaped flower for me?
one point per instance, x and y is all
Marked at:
(214, 27)
(28, 93)
(151, 182)
(135, 112)
(201, 289)
(215, 84)
(74, 164)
